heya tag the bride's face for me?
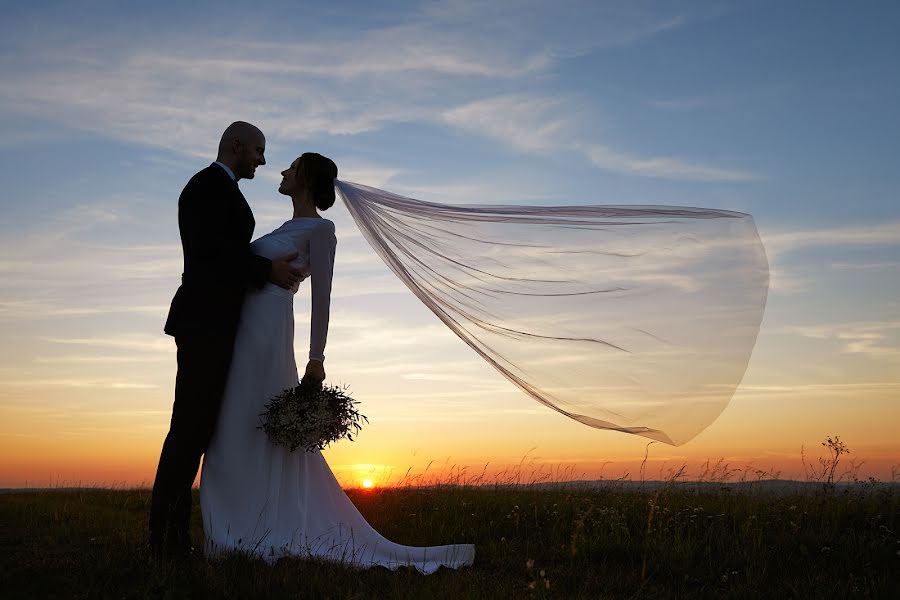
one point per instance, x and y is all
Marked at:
(289, 182)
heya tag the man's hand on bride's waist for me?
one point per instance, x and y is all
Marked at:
(283, 274)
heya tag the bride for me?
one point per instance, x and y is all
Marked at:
(260, 498)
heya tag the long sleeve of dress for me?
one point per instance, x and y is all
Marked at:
(322, 244)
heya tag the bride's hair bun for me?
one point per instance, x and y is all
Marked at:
(318, 172)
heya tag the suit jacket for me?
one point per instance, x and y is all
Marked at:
(216, 227)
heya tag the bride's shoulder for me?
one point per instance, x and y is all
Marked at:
(324, 225)
(325, 229)
(307, 223)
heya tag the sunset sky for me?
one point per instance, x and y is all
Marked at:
(786, 111)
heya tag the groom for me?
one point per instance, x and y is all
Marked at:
(216, 226)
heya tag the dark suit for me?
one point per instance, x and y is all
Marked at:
(216, 227)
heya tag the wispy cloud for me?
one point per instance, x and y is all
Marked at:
(178, 92)
(437, 377)
(114, 384)
(134, 342)
(606, 158)
(103, 359)
(866, 266)
(821, 390)
(544, 125)
(876, 234)
(569, 27)
(86, 260)
(786, 282)
(879, 339)
(37, 309)
(785, 279)
(525, 122)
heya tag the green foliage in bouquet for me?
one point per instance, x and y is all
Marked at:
(311, 416)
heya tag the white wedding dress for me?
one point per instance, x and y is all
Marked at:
(260, 498)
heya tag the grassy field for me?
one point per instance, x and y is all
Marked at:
(661, 541)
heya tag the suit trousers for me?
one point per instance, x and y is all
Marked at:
(203, 363)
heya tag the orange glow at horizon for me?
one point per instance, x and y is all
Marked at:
(88, 467)
(451, 420)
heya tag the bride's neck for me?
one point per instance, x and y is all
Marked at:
(304, 206)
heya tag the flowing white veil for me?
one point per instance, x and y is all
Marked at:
(639, 319)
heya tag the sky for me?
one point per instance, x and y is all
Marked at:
(786, 111)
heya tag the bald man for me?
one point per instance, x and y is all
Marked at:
(216, 227)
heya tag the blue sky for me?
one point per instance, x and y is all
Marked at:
(787, 111)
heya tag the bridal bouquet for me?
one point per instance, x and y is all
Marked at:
(311, 415)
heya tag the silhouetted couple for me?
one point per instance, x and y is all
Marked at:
(233, 323)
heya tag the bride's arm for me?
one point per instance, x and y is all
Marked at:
(322, 245)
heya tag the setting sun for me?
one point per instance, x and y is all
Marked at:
(367, 483)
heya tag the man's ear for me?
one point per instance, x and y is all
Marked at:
(236, 146)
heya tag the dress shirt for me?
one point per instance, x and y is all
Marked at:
(227, 170)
